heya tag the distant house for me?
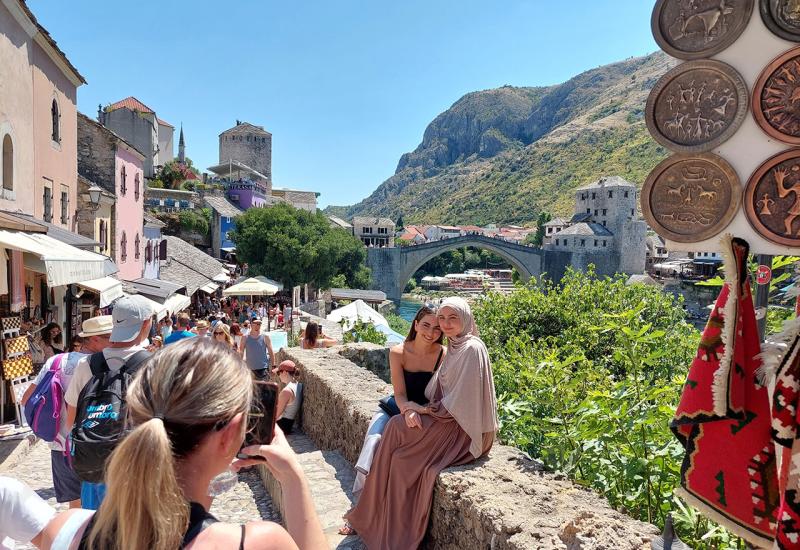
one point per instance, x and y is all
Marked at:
(340, 224)
(554, 226)
(304, 200)
(471, 230)
(138, 124)
(374, 232)
(223, 214)
(412, 235)
(656, 251)
(583, 236)
(155, 247)
(440, 232)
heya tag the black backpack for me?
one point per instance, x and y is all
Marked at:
(100, 415)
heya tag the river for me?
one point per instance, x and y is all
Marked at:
(408, 308)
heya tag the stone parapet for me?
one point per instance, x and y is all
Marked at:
(503, 501)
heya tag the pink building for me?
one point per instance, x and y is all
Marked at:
(105, 159)
(38, 126)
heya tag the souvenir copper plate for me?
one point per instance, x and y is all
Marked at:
(776, 98)
(782, 17)
(693, 29)
(697, 106)
(772, 199)
(691, 198)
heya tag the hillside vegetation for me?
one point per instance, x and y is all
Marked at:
(504, 155)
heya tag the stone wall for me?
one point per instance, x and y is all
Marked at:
(503, 501)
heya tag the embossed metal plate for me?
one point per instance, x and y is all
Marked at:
(776, 98)
(694, 29)
(697, 106)
(772, 198)
(691, 198)
(782, 17)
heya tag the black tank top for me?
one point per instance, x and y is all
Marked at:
(416, 382)
(199, 519)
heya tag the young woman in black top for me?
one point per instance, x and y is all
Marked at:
(412, 365)
(187, 409)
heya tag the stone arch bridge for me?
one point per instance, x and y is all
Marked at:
(393, 267)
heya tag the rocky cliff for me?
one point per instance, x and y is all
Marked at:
(504, 155)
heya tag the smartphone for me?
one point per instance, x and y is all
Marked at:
(261, 420)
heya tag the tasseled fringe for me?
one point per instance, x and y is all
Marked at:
(719, 388)
(774, 351)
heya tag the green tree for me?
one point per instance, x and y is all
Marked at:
(294, 246)
(537, 239)
(400, 225)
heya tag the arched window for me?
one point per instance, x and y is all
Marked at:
(148, 252)
(55, 116)
(8, 163)
(123, 245)
(123, 181)
(136, 246)
(103, 236)
(136, 186)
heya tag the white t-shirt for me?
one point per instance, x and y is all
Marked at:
(24, 515)
(68, 366)
(115, 357)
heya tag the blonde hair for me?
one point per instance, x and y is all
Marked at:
(180, 395)
(226, 329)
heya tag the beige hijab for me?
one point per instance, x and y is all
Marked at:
(466, 380)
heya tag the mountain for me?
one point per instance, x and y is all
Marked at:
(504, 155)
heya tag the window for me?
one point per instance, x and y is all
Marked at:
(594, 196)
(583, 196)
(604, 243)
(136, 186)
(136, 247)
(583, 242)
(55, 120)
(604, 223)
(123, 181)
(64, 204)
(148, 252)
(610, 194)
(368, 230)
(8, 163)
(632, 213)
(557, 242)
(123, 246)
(47, 200)
(588, 210)
(605, 211)
(103, 236)
(626, 194)
(595, 211)
(595, 243)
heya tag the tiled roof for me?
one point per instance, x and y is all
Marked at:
(188, 265)
(580, 217)
(339, 222)
(50, 41)
(246, 127)
(611, 181)
(587, 229)
(59, 233)
(363, 220)
(222, 205)
(164, 123)
(556, 222)
(130, 103)
(152, 221)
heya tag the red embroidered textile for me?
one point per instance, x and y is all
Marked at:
(785, 420)
(723, 421)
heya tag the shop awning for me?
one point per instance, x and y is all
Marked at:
(108, 288)
(221, 278)
(159, 310)
(210, 288)
(177, 302)
(63, 264)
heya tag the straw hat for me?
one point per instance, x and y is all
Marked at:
(96, 326)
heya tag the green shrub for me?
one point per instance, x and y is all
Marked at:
(397, 323)
(364, 332)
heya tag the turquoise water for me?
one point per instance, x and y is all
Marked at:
(408, 308)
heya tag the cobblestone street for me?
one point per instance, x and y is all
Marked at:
(247, 501)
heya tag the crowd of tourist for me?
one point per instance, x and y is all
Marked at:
(155, 412)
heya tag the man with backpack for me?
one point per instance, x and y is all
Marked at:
(96, 397)
(52, 425)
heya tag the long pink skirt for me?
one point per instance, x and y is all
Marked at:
(395, 505)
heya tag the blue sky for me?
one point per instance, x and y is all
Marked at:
(344, 86)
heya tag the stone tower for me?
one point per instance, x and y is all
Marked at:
(250, 145)
(181, 148)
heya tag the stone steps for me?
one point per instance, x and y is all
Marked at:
(330, 478)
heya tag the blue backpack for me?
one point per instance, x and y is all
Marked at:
(43, 409)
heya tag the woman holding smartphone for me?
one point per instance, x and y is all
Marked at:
(188, 410)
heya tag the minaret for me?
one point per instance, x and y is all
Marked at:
(181, 148)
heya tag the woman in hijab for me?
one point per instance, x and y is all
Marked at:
(458, 426)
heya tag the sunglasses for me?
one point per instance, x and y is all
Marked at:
(218, 333)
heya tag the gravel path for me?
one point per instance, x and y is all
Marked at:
(247, 501)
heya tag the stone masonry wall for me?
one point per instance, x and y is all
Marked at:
(503, 501)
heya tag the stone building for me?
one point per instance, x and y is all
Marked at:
(38, 120)
(106, 159)
(223, 214)
(304, 200)
(554, 226)
(439, 232)
(250, 145)
(139, 125)
(605, 229)
(374, 232)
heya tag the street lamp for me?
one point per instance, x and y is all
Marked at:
(94, 196)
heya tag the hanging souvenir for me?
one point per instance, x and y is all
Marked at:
(723, 420)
